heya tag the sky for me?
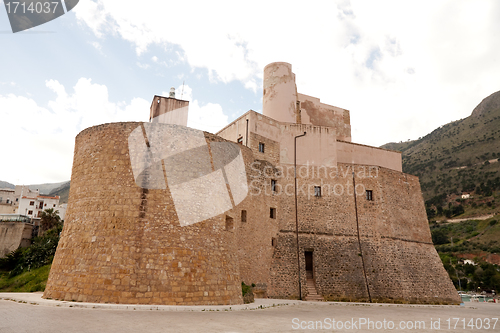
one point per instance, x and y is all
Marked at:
(402, 68)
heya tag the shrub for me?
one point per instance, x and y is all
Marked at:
(40, 253)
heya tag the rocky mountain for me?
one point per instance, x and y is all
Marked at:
(47, 188)
(6, 185)
(62, 191)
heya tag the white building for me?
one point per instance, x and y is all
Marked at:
(33, 206)
(22, 200)
(8, 201)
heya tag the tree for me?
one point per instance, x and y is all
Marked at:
(49, 219)
(439, 237)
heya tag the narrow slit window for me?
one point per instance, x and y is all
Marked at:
(261, 147)
(272, 213)
(273, 242)
(317, 191)
(369, 195)
(273, 185)
(243, 216)
(229, 223)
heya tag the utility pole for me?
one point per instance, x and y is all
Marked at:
(296, 213)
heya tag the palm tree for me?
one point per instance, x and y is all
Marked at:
(49, 219)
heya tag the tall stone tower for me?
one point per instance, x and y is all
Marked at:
(280, 93)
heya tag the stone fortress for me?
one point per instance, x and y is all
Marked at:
(348, 225)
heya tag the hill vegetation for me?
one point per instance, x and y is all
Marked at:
(459, 158)
(26, 269)
(475, 240)
(459, 170)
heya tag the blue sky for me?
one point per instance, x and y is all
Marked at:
(402, 68)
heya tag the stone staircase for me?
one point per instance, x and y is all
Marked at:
(312, 294)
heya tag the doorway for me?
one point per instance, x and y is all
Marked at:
(309, 263)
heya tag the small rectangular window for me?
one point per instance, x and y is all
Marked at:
(243, 216)
(240, 140)
(30, 212)
(317, 191)
(261, 147)
(272, 213)
(273, 185)
(369, 195)
(229, 223)
(32, 203)
(273, 242)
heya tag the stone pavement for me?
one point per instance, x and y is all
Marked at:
(23, 312)
(36, 299)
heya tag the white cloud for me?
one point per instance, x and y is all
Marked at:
(143, 66)
(208, 117)
(97, 46)
(401, 67)
(43, 136)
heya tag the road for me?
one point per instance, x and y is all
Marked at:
(18, 317)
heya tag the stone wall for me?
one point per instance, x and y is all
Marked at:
(314, 112)
(386, 253)
(123, 244)
(14, 235)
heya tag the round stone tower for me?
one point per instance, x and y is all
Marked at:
(123, 243)
(280, 92)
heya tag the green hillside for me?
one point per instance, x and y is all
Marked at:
(475, 240)
(459, 157)
(462, 158)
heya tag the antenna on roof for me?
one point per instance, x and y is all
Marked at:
(182, 93)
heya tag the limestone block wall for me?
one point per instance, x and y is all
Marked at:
(123, 244)
(394, 248)
(14, 235)
(312, 111)
(354, 153)
(401, 261)
(257, 236)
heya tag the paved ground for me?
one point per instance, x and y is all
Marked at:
(37, 315)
